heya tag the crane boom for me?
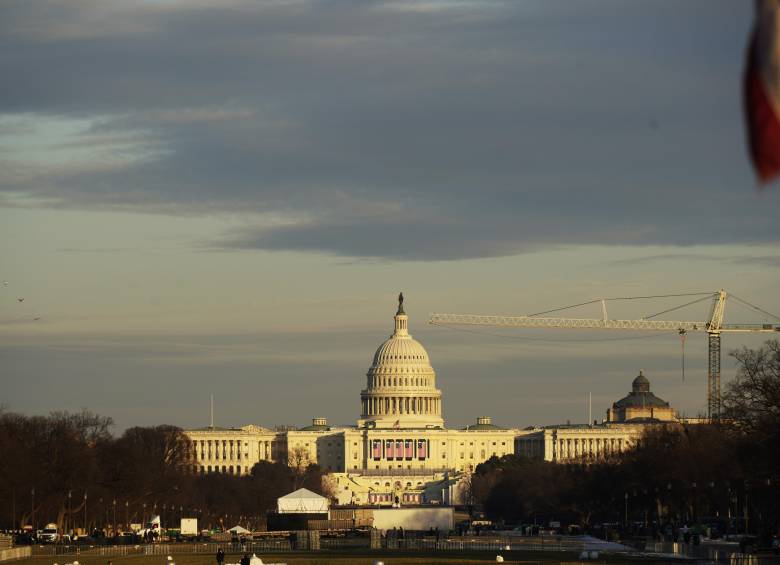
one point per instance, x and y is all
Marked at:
(714, 327)
(590, 323)
(571, 323)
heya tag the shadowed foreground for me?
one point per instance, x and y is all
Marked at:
(353, 558)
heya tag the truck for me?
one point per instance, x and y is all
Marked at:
(50, 534)
(189, 527)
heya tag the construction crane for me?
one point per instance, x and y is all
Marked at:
(714, 327)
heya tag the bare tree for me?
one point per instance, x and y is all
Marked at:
(752, 399)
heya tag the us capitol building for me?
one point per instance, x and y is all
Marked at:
(400, 450)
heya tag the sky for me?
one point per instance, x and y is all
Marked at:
(225, 198)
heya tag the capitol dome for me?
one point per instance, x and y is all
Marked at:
(400, 351)
(401, 384)
(640, 383)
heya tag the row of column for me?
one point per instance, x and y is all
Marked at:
(373, 406)
(375, 382)
(588, 447)
(227, 450)
(217, 469)
(264, 450)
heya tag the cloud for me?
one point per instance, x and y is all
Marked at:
(757, 260)
(442, 130)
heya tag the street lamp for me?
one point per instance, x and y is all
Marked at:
(32, 492)
(127, 514)
(70, 497)
(113, 524)
(85, 514)
(625, 520)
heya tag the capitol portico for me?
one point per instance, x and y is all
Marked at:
(400, 450)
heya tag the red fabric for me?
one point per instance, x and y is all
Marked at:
(762, 122)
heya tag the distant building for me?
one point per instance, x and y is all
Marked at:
(400, 451)
(580, 442)
(626, 422)
(641, 405)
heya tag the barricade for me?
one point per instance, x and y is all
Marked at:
(15, 553)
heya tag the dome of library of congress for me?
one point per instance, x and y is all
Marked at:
(401, 384)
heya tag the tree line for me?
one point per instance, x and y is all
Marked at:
(726, 472)
(70, 470)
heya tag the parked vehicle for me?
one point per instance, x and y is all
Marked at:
(24, 539)
(50, 534)
(128, 538)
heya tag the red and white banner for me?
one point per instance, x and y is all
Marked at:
(762, 91)
(422, 451)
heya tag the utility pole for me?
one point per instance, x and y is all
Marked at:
(32, 492)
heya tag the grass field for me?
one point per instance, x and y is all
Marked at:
(354, 558)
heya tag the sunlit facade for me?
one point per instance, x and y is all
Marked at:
(400, 450)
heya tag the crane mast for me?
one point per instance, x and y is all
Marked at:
(714, 326)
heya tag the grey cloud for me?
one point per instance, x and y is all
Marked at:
(757, 260)
(441, 130)
(661, 257)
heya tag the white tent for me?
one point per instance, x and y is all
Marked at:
(302, 501)
(238, 530)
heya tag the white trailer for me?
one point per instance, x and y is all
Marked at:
(189, 527)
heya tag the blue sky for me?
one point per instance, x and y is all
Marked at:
(225, 198)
